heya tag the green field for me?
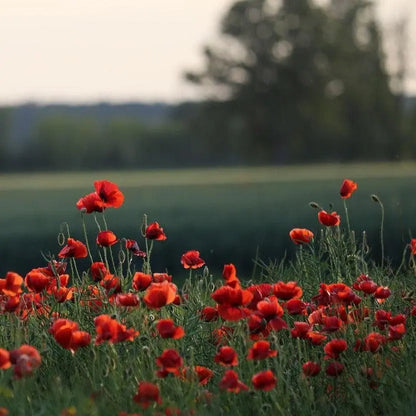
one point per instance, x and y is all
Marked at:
(227, 214)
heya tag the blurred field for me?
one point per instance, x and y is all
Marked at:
(226, 214)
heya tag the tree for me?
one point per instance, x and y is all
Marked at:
(297, 81)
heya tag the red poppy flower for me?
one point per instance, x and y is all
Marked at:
(170, 361)
(90, 203)
(300, 330)
(230, 301)
(334, 368)
(160, 294)
(272, 311)
(396, 331)
(230, 382)
(26, 359)
(264, 380)
(106, 238)
(133, 246)
(147, 393)
(11, 285)
(301, 235)
(316, 338)
(261, 350)
(229, 274)
(109, 194)
(328, 219)
(295, 306)
(226, 356)
(373, 342)
(167, 329)
(111, 284)
(108, 329)
(209, 314)
(155, 232)
(68, 335)
(191, 260)
(141, 281)
(334, 348)
(4, 359)
(259, 292)
(161, 277)
(286, 291)
(382, 293)
(413, 245)
(37, 281)
(127, 300)
(311, 368)
(347, 188)
(73, 248)
(98, 271)
(204, 374)
(331, 323)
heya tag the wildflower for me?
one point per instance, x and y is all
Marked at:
(334, 348)
(127, 299)
(37, 281)
(4, 359)
(141, 281)
(109, 194)
(347, 188)
(161, 277)
(170, 361)
(286, 291)
(272, 311)
(209, 314)
(229, 274)
(315, 338)
(111, 284)
(98, 271)
(295, 306)
(167, 329)
(396, 331)
(155, 232)
(301, 235)
(261, 350)
(191, 260)
(160, 294)
(311, 368)
(230, 382)
(328, 219)
(147, 393)
(11, 285)
(133, 246)
(90, 203)
(204, 374)
(73, 248)
(108, 329)
(264, 380)
(382, 293)
(259, 292)
(413, 246)
(25, 359)
(68, 335)
(231, 301)
(334, 368)
(300, 330)
(373, 341)
(106, 238)
(226, 356)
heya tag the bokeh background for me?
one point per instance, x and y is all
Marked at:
(221, 120)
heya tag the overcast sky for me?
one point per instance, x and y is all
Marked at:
(117, 50)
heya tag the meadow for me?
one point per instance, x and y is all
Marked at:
(96, 329)
(228, 214)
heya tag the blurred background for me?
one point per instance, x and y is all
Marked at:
(221, 120)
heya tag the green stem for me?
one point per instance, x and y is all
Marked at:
(84, 228)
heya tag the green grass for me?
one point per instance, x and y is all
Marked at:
(227, 214)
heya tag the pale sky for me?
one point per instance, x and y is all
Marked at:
(119, 50)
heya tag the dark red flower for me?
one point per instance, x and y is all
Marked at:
(328, 219)
(295, 306)
(347, 188)
(226, 356)
(155, 232)
(382, 293)
(301, 235)
(4, 359)
(272, 311)
(229, 274)
(311, 368)
(11, 285)
(147, 393)
(73, 248)
(170, 361)
(106, 238)
(191, 260)
(25, 359)
(133, 246)
(127, 300)
(334, 348)
(204, 374)
(286, 291)
(68, 335)
(167, 329)
(413, 246)
(373, 342)
(209, 314)
(91, 203)
(111, 284)
(261, 350)
(231, 382)
(300, 330)
(98, 271)
(264, 380)
(334, 368)
(109, 193)
(396, 331)
(37, 281)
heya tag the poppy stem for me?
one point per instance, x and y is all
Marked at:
(347, 217)
(84, 228)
